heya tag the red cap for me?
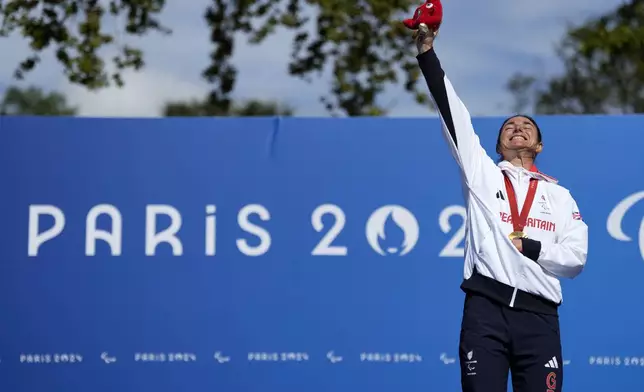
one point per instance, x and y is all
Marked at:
(430, 13)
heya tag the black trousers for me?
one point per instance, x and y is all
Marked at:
(496, 339)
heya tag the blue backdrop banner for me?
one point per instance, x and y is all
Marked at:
(265, 254)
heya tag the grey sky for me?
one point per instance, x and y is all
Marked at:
(481, 45)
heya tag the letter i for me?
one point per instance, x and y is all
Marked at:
(211, 230)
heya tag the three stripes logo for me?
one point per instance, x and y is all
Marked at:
(552, 364)
(499, 195)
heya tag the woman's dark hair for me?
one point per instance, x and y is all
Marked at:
(498, 139)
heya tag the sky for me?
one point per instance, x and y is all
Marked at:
(481, 44)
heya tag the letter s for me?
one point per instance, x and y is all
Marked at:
(246, 225)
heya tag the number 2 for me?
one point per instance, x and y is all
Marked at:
(452, 249)
(324, 247)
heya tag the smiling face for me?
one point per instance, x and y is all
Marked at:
(519, 134)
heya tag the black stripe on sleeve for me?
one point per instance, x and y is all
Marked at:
(434, 76)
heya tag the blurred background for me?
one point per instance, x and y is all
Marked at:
(313, 215)
(315, 57)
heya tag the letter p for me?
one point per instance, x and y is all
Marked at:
(36, 238)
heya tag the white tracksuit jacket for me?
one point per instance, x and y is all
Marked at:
(558, 242)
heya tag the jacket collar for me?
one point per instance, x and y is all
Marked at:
(533, 172)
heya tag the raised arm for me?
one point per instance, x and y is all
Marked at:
(456, 120)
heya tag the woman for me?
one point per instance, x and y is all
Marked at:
(524, 232)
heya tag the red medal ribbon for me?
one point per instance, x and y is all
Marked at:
(519, 221)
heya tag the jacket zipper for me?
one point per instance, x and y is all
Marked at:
(514, 295)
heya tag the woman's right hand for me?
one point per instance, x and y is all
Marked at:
(424, 38)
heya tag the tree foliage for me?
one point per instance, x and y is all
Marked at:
(76, 32)
(205, 108)
(603, 68)
(34, 101)
(362, 42)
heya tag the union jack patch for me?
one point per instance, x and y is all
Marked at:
(576, 216)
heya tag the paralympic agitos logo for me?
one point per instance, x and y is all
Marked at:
(616, 216)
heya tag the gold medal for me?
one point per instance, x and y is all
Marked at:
(519, 221)
(517, 234)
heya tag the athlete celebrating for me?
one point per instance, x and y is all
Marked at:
(524, 232)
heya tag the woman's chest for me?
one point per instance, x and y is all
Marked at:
(531, 211)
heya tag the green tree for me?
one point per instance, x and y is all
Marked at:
(204, 108)
(362, 42)
(603, 68)
(74, 29)
(33, 101)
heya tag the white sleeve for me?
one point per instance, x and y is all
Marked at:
(567, 256)
(456, 121)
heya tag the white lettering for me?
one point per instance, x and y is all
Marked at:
(246, 225)
(211, 230)
(113, 235)
(152, 238)
(36, 238)
(452, 249)
(324, 247)
(113, 238)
